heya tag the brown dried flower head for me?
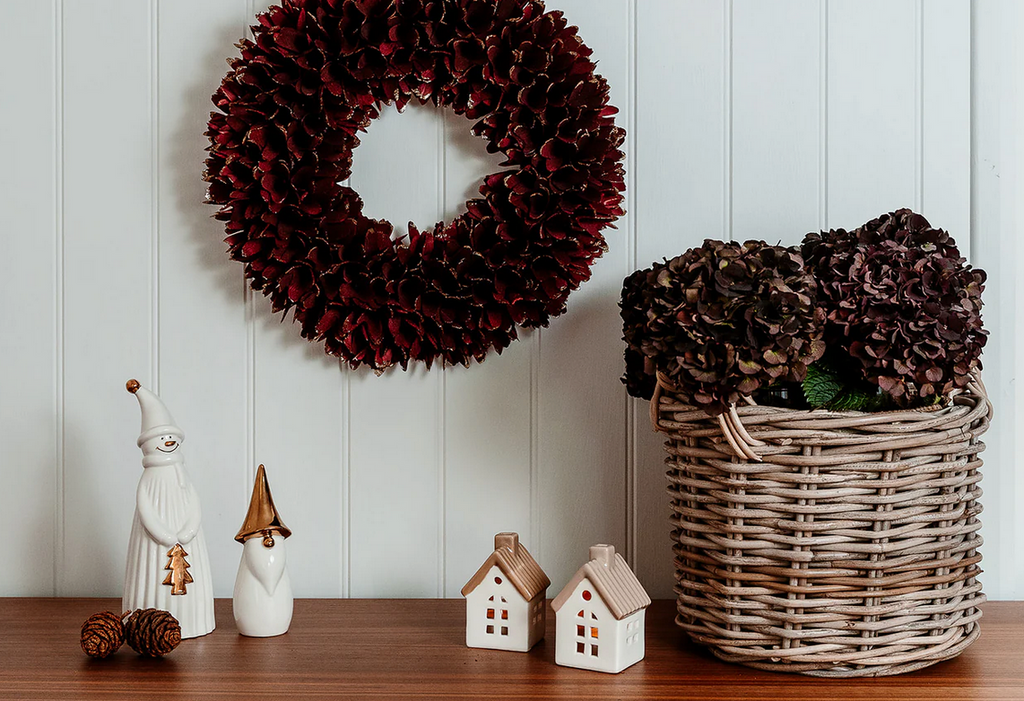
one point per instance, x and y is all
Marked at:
(900, 299)
(722, 321)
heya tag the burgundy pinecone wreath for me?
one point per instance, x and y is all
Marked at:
(289, 113)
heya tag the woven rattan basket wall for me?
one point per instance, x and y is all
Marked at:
(850, 549)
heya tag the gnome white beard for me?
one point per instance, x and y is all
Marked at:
(262, 601)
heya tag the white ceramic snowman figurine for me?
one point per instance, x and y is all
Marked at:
(262, 602)
(167, 567)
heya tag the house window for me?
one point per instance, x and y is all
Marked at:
(587, 595)
(490, 618)
(586, 636)
(502, 612)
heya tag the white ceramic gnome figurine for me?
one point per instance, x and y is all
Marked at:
(262, 602)
(168, 567)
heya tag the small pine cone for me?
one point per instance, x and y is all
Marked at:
(152, 632)
(102, 634)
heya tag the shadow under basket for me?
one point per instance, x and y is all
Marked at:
(842, 544)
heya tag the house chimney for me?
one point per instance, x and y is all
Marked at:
(509, 541)
(604, 554)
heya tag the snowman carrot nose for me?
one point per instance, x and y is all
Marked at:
(169, 443)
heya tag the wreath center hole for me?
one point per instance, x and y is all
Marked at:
(420, 165)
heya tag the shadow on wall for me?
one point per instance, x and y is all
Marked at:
(187, 164)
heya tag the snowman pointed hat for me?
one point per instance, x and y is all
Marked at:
(156, 420)
(262, 515)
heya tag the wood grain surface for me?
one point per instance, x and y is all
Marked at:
(392, 649)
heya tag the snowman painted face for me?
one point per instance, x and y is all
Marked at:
(165, 443)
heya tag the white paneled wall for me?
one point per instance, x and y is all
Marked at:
(745, 119)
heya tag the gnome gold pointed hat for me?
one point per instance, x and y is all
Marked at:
(262, 515)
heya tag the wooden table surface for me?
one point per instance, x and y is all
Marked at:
(342, 649)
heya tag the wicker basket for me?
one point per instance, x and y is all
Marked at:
(843, 544)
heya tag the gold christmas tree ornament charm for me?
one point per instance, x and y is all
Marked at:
(178, 576)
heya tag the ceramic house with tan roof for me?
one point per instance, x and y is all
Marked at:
(599, 615)
(506, 599)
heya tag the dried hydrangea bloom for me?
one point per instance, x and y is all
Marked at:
(725, 320)
(639, 375)
(900, 299)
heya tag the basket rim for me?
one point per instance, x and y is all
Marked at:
(972, 400)
(976, 388)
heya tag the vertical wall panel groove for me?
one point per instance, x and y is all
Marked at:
(108, 215)
(296, 415)
(442, 428)
(997, 214)
(873, 110)
(154, 116)
(823, 223)
(727, 154)
(58, 535)
(582, 421)
(442, 510)
(249, 469)
(919, 105)
(536, 523)
(679, 198)
(775, 119)
(396, 475)
(486, 408)
(945, 126)
(630, 456)
(205, 354)
(345, 448)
